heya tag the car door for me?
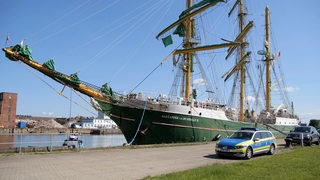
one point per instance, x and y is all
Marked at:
(257, 142)
(314, 134)
(266, 141)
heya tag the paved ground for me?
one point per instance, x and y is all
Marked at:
(120, 163)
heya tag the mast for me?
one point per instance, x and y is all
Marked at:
(242, 69)
(268, 60)
(190, 47)
(240, 64)
(188, 55)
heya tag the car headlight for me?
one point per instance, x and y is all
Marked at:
(240, 147)
(307, 136)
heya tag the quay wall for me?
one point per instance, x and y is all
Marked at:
(38, 149)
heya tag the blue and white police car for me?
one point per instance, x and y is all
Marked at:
(246, 143)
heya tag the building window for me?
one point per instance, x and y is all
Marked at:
(9, 118)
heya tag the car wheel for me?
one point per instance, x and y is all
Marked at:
(272, 149)
(288, 143)
(249, 153)
(318, 142)
(310, 142)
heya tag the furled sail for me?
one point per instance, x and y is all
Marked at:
(190, 12)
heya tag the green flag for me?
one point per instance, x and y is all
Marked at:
(167, 41)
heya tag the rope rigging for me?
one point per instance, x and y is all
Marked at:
(162, 62)
(77, 22)
(58, 92)
(69, 12)
(148, 12)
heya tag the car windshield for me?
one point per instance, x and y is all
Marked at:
(302, 129)
(241, 135)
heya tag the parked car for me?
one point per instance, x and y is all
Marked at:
(306, 134)
(246, 143)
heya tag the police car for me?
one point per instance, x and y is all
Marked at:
(246, 143)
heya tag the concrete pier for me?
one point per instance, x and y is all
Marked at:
(113, 163)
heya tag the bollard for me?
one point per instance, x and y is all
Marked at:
(301, 139)
(20, 143)
(50, 142)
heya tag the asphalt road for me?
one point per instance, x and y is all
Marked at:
(114, 163)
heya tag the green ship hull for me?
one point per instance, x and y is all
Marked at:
(146, 126)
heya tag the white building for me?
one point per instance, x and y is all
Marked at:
(104, 122)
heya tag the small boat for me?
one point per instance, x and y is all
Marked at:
(73, 141)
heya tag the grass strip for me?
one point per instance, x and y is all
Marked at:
(300, 163)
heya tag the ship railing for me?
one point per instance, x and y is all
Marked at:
(162, 98)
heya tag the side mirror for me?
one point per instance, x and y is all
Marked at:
(256, 139)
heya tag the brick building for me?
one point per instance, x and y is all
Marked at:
(8, 108)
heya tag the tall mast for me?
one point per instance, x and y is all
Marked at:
(186, 19)
(242, 69)
(268, 60)
(240, 64)
(188, 55)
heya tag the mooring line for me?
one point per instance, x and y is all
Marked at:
(134, 137)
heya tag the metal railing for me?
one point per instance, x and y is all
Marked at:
(36, 142)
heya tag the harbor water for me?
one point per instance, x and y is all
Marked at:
(43, 140)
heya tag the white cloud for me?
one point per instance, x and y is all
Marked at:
(47, 113)
(291, 89)
(199, 81)
(250, 99)
(288, 89)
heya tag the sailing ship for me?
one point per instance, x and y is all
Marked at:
(180, 117)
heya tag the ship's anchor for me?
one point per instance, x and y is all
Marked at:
(143, 132)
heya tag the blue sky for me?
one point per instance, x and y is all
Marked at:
(114, 41)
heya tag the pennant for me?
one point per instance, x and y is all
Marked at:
(278, 54)
(21, 42)
(7, 38)
(167, 41)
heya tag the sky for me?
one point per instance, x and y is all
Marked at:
(114, 42)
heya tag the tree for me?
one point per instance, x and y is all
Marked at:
(61, 121)
(315, 123)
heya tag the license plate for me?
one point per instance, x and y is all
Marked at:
(224, 149)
